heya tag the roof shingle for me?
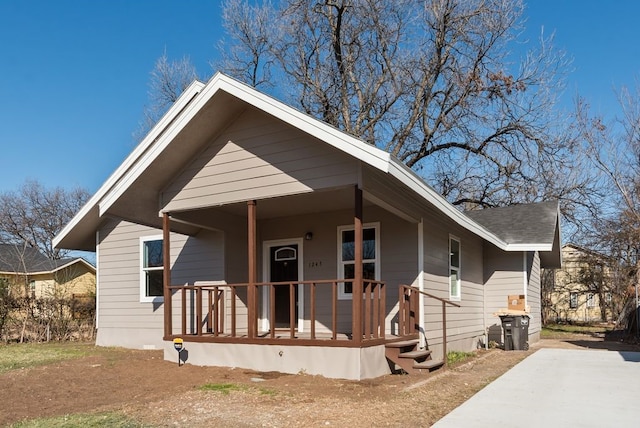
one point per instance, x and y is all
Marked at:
(520, 224)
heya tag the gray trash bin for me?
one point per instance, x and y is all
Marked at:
(516, 332)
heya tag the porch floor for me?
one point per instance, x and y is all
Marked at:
(283, 337)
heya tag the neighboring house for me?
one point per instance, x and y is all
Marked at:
(245, 228)
(27, 270)
(580, 291)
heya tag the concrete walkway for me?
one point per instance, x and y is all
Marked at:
(558, 388)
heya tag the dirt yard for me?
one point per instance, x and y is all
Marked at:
(154, 392)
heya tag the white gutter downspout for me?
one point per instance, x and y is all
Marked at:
(524, 278)
(484, 306)
(97, 277)
(423, 343)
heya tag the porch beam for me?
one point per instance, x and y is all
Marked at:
(356, 289)
(252, 248)
(166, 273)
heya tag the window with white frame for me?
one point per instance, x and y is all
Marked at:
(346, 256)
(591, 301)
(152, 269)
(454, 268)
(573, 300)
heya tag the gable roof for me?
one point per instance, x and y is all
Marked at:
(530, 226)
(586, 252)
(224, 91)
(520, 224)
(15, 259)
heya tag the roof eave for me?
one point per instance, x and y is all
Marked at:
(89, 212)
(219, 82)
(409, 178)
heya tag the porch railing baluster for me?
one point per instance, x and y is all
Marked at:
(334, 311)
(376, 311)
(221, 313)
(367, 309)
(206, 307)
(210, 311)
(312, 320)
(198, 311)
(383, 308)
(292, 311)
(184, 311)
(216, 312)
(233, 311)
(272, 310)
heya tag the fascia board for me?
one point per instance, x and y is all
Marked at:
(72, 262)
(41, 272)
(353, 146)
(139, 160)
(140, 149)
(82, 214)
(326, 133)
(411, 180)
(45, 272)
(529, 247)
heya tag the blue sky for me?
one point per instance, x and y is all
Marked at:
(74, 74)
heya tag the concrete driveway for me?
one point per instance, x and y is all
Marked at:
(558, 388)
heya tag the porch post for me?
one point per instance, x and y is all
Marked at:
(357, 275)
(252, 269)
(166, 274)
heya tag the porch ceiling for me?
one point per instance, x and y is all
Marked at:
(306, 203)
(293, 205)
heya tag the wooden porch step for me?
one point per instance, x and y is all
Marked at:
(428, 364)
(402, 344)
(404, 354)
(415, 354)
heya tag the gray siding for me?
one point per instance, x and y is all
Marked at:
(505, 275)
(464, 324)
(533, 296)
(123, 319)
(398, 256)
(258, 157)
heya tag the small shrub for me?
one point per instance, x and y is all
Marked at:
(268, 391)
(454, 357)
(224, 388)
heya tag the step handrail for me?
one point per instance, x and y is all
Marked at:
(445, 302)
(448, 302)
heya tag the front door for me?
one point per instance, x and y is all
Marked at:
(284, 267)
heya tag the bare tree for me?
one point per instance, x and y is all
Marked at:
(33, 215)
(252, 37)
(7, 303)
(169, 78)
(613, 147)
(432, 81)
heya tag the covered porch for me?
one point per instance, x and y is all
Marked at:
(254, 311)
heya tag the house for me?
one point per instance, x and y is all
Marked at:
(582, 291)
(28, 271)
(245, 228)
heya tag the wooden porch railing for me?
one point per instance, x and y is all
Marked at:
(408, 313)
(207, 306)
